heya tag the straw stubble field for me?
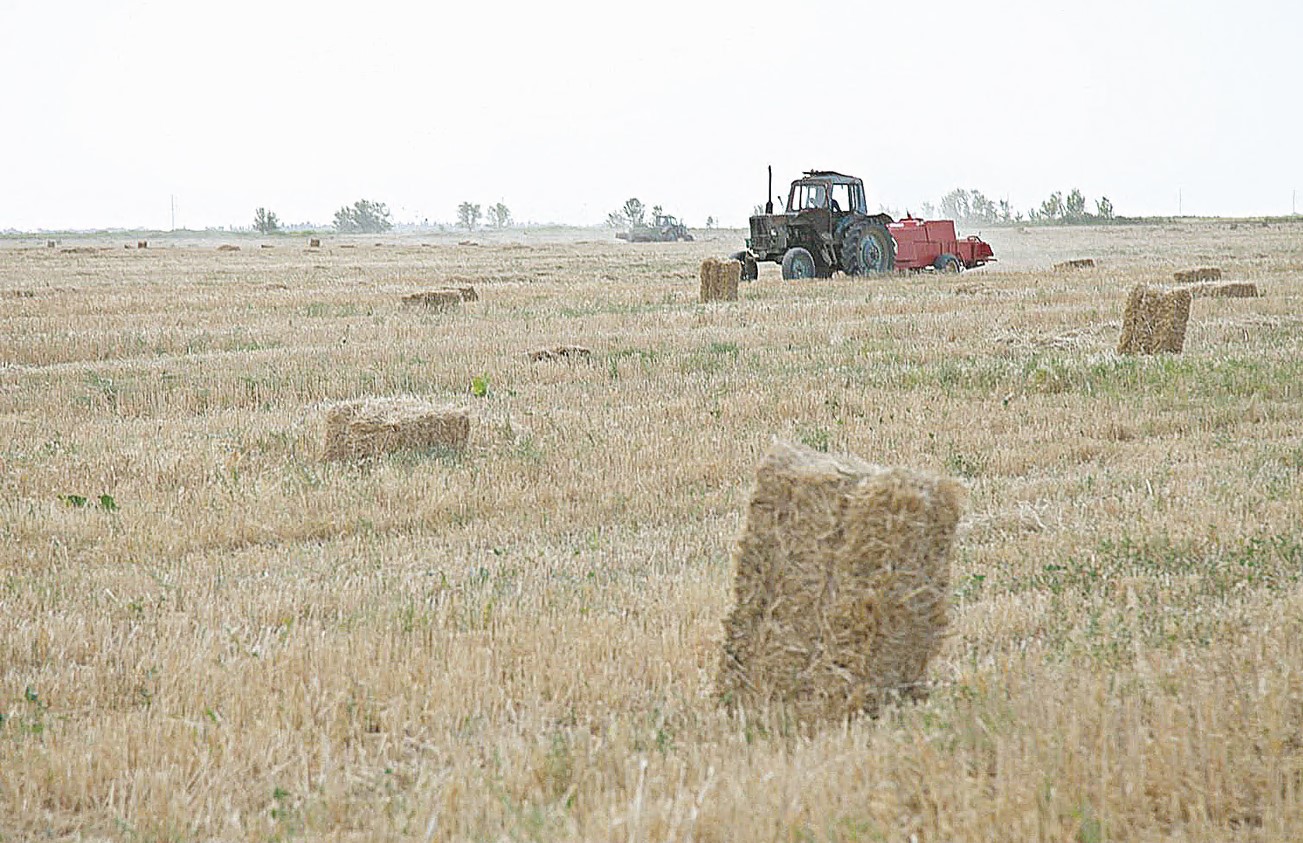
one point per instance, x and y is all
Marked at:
(207, 631)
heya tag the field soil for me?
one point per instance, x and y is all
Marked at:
(208, 632)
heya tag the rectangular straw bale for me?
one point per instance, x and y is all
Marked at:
(1155, 320)
(437, 299)
(1227, 290)
(719, 279)
(370, 427)
(1203, 273)
(561, 352)
(1079, 263)
(314, 243)
(842, 584)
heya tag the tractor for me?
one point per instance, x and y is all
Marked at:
(827, 228)
(663, 229)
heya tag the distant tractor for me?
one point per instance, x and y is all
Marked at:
(663, 229)
(827, 228)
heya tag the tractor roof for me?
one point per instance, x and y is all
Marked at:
(832, 176)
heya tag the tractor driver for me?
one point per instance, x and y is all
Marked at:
(815, 198)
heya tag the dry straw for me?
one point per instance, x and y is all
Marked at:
(227, 247)
(314, 243)
(561, 352)
(719, 279)
(371, 427)
(1203, 273)
(842, 585)
(1228, 290)
(1155, 320)
(1079, 263)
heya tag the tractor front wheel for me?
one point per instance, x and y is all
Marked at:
(948, 264)
(750, 270)
(869, 248)
(798, 263)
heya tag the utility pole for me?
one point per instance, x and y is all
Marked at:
(174, 212)
(1293, 203)
(1180, 212)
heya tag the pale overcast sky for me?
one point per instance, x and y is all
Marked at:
(562, 110)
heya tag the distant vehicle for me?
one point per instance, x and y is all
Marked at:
(827, 228)
(663, 229)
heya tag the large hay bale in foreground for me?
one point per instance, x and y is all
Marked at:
(1228, 290)
(1203, 273)
(842, 585)
(1079, 263)
(370, 427)
(719, 279)
(436, 299)
(1154, 320)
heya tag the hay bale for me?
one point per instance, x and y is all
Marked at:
(1203, 273)
(436, 299)
(142, 244)
(314, 243)
(561, 352)
(227, 247)
(49, 244)
(842, 584)
(371, 427)
(1154, 320)
(1227, 290)
(1072, 265)
(719, 279)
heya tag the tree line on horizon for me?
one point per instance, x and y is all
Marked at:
(366, 216)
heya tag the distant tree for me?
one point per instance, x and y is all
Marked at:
(633, 211)
(710, 223)
(615, 219)
(657, 211)
(1074, 207)
(982, 209)
(1104, 208)
(1052, 208)
(468, 215)
(265, 221)
(757, 210)
(928, 210)
(1005, 211)
(363, 217)
(498, 215)
(957, 205)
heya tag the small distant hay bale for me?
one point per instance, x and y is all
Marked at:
(435, 299)
(142, 244)
(266, 246)
(49, 244)
(561, 352)
(467, 243)
(314, 243)
(371, 427)
(719, 279)
(1227, 290)
(227, 247)
(1155, 320)
(1072, 265)
(842, 585)
(1203, 273)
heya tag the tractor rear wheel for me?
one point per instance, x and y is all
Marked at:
(869, 248)
(798, 263)
(947, 263)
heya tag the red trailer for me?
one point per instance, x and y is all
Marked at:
(933, 243)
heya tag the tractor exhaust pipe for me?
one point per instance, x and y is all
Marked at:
(769, 201)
